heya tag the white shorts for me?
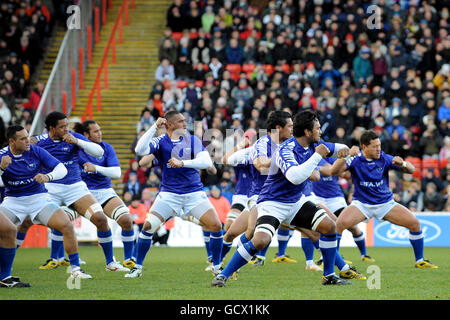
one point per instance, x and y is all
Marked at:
(67, 194)
(312, 197)
(306, 212)
(39, 207)
(252, 201)
(334, 204)
(240, 199)
(168, 204)
(103, 195)
(377, 211)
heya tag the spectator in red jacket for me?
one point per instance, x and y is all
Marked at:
(134, 167)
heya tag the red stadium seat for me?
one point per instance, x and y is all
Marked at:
(182, 84)
(233, 68)
(435, 172)
(443, 163)
(177, 36)
(199, 83)
(248, 68)
(430, 163)
(269, 69)
(417, 163)
(286, 68)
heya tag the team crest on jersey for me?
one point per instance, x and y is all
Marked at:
(379, 169)
(65, 149)
(31, 166)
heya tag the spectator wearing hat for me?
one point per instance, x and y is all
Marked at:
(308, 101)
(362, 67)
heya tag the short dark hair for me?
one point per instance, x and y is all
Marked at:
(82, 128)
(12, 131)
(277, 118)
(170, 114)
(52, 119)
(304, 120)
(367, 136)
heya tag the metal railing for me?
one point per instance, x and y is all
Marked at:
(74, 55)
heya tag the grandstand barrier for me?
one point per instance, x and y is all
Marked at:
(435, 226)
(74, 56)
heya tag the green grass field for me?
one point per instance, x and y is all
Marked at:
(178, 274)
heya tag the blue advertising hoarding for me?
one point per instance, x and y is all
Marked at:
(435, 227)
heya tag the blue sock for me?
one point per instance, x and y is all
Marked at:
(283, 237)
(61, 253)
(328, 244)
(143, 245)
(240, 258)
(74, 259)
(128, 243)
(243, 239)
(6, 261)
(361, 243)
(226, 248)
(316, 244)
(20, 237)
(416, 239)
(105, 241)
(207, 239)
(57, 244)
(215, 245)
(339, 261)
(338, 239)
(308, 248)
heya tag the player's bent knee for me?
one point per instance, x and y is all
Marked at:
(125, 222)
(267, 225)
(93, 209)
(119, 212)
(100, 221)
(327, 226)
(152, 223)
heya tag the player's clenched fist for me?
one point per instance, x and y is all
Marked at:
(6, 161)
(175, 163)
(397, 161)
(41, 178)
(161, 122)
(322, 150)
(69, 138)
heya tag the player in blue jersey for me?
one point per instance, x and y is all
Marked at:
(281, 199)
(71, 191)
(372, 197)
(328, 192)
(258, 157)
(97, 173)
(180, 156)
(21, 170)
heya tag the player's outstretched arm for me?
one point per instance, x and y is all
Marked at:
(143, 145)
(111, 172)
(201, 161)
(298, 173)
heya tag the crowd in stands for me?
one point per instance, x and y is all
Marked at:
(25, 30)
(227, 64)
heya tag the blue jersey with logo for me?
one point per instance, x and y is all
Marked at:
(18, 177)
(177, 180)
(371, 178)
(95, 181)
(243, 179)
(66, 153)
(264, 147)
(328, 186)
(289, 154)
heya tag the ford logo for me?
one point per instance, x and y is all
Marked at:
(392, 233)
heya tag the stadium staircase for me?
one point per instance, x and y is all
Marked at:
(129, 80)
